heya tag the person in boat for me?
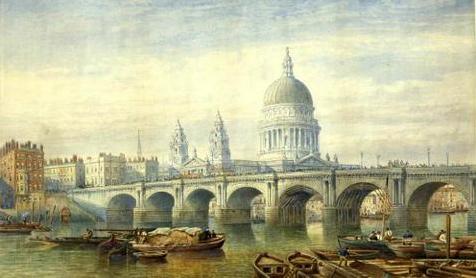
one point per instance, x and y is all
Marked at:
(136, 235)
(343, 255)
(407, 238)
(373, 236)
(442, 236)
(379, 235)
(143, 236)
(208, 235)
(387, 235)
(213, 235)
(88, 234)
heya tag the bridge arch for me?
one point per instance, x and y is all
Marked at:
(420, 198)
(292, 204)
(350, 200)
(120, 210)
(161, 201)
(241, 198)
(197, 205)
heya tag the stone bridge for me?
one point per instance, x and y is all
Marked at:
(342, 191)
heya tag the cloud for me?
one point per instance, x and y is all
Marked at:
(88, 84)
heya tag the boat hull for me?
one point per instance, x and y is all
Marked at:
(413, 251)
(367, 245)
(330, 255)
(215, 243)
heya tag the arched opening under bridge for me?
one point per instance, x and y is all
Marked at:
(363, 203)
(120, 211)
(294, 209)
(430, 202)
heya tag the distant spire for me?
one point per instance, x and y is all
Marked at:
(288, 64)
(219, 119)
(178, 124)
(139, 147)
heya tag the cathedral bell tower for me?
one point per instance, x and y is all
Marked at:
(178, 146)
(219, 145)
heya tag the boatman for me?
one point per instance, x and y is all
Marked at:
(407, 238)
(387, 235)
(343, 255)
(442, 236)
(88, 235)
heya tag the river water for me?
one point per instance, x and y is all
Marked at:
(21, 258)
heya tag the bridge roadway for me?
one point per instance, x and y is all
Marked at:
(342, 192)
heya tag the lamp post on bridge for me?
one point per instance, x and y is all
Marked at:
(428, 154)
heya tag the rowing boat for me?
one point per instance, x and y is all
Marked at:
(445, 268)
(150, 256)
(437, 249)
(364, 244)
(303, 262)
(20, 228)
(416, 249)
(331, 255)
(330, 269)
(269, 266)
(70, 241)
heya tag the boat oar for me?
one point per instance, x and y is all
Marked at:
(52, 215)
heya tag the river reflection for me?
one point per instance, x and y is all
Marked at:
(21, 258)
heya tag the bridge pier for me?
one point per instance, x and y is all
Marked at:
(399, 218)
(232, 216)
(150, 218)
(417, 218)
(472, 219)
(329, 217)
(187, 217)
(119, 218)
(271, 215)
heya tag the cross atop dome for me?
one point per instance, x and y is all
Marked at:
(287, 64)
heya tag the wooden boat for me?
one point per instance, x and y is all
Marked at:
(437, 249)
(208, 244)
(71, 241)
(467, 253)
(303, 262)
(20, 228)
(118, 253)
(365, 244)
(331, 255)
(445, 268)
(415, 250)
(150, 256)
(330, 269)
(268, 266)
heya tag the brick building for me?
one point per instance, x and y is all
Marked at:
(21, 168)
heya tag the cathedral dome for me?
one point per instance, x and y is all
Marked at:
(287, 89)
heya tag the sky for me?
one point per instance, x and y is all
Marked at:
(388, 78)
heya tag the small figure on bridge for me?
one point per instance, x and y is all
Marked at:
(407, 238)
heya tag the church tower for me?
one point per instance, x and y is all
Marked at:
(178, 147)
(219, 145)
